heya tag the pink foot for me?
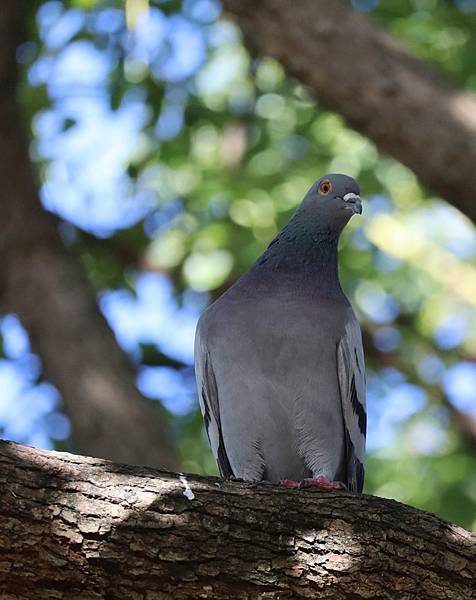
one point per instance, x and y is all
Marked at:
(290, 483)
(322, 483)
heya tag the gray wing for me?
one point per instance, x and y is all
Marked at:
(351, 373)
(208, 399)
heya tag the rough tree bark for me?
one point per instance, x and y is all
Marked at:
(381, 90)
(45, 285)
(75, 527)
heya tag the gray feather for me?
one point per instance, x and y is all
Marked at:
(208, 398)
(351, 370)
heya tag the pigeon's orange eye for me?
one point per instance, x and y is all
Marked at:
(325, 187)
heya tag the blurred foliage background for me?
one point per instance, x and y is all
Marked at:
(173, 157)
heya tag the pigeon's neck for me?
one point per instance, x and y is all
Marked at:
(303, 256)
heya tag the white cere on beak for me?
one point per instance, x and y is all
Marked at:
(353, 203)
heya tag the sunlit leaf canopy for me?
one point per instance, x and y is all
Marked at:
(174, 157)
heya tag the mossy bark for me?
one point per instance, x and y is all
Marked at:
(73, 527)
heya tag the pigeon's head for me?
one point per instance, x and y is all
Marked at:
(333, 199)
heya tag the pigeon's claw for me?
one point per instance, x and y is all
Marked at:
(322, 483)
(290, 483)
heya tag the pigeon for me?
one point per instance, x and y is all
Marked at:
(279, 359)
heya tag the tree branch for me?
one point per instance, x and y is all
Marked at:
(77, 527)
(382, 91)
(45, 285)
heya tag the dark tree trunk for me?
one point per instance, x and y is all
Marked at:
(382, 91)
(45, 285)
(74, 527)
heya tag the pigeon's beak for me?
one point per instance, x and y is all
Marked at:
(353, 202)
